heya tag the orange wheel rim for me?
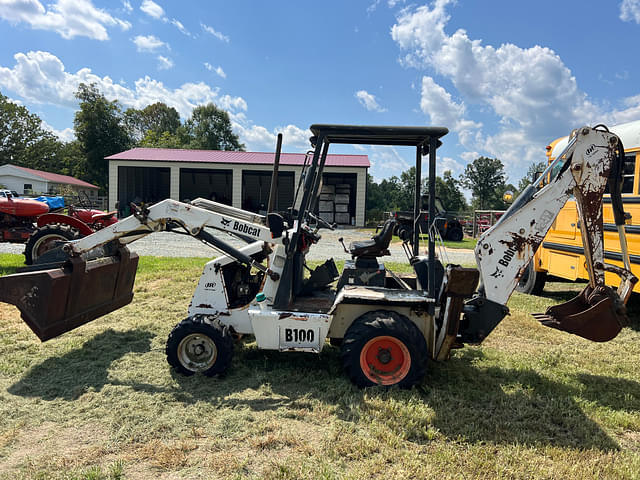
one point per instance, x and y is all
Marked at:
(385, 360)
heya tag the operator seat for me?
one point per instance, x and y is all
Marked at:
(377, 246)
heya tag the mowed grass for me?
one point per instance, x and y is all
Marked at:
(101, 403)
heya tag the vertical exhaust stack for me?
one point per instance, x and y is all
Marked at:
(273, 192)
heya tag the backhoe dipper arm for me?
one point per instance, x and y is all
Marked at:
(504, 251)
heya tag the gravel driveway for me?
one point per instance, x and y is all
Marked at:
(164, 244)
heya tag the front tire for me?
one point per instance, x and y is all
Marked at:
(196, 345)
(45, 238)
(455, 234)
(384, 348)
(531, 282)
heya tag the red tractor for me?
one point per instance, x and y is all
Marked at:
(25, 220)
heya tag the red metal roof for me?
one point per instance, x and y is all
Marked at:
(245, 158)
(56, 177)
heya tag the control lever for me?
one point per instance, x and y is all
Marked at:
(323, 223)
(341, 240)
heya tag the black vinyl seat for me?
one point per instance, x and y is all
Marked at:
(377, 246)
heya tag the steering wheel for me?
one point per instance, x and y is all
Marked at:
(84, 201)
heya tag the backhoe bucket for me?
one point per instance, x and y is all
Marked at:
(57, 300)
(596, 314)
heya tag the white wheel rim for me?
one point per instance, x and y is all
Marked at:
(42, 241)
(197, 352)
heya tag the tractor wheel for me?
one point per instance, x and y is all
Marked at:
(404, 232)
(455, 234)
(44, 239)
(384, 348)
(196, 346)
(531, 282)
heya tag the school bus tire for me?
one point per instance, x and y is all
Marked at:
(531, 282)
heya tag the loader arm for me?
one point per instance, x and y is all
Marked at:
(590, 160)
(93, 276)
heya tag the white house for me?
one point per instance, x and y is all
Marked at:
(28, 181)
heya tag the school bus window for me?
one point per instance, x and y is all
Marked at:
(628, 173)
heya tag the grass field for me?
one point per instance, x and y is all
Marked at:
(101, 403)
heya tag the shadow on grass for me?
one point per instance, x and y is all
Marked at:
(518, 405)
(70, 375)
(466, 399)
(471, 403)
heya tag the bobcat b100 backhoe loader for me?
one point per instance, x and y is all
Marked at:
(388, 325)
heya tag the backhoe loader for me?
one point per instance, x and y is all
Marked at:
(387, 325)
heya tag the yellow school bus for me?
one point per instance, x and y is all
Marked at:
(561, 253)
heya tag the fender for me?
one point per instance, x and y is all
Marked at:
(79, 225)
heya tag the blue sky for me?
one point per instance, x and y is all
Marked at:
(505, 77)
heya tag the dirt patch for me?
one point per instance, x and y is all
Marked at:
(49, 446)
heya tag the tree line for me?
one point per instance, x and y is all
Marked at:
(485, 178)
(102, 128)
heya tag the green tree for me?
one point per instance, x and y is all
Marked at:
(100, 130)
(485, 178)
(157, 118)
(535, 169)
(23, 140)
(209, 128)
(165, 139)
(449, 193)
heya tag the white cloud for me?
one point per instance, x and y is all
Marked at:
(40, 77)
(215, 33)
(259, 138)
(448, 163)
(386, 161)
(68, 18)
(390, 3)
(127, 6)
(369, 101)
(66, 135)
(152, 9)
(148, 43)
(630, 11)
(218, 70)
(180, 27)
(164, 63)
(532, 93)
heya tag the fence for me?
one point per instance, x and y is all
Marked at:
(483, 220)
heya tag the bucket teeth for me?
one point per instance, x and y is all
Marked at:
(546, 320)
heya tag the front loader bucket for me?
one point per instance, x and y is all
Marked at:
(57, 300)
(596, 314)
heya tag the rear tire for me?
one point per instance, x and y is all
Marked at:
(384, 348)
(455, 234)
(199, 346)
(44, 238)
(404, 232)
(531, 282)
